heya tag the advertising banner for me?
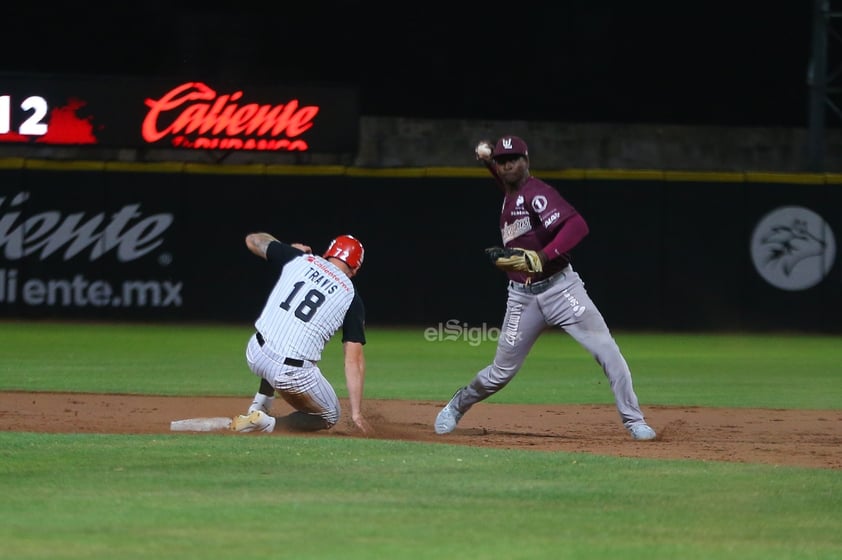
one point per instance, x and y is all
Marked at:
(169, 246)
(177, 114)
(106, 250)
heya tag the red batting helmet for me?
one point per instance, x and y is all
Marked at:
(347, 249)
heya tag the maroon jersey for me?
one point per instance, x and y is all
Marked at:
(530, 219)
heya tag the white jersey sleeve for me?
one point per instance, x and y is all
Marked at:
(305, 308)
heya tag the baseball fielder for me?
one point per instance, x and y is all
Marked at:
(539, 228)
(312, 298)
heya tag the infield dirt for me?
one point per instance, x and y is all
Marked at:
(803, 438)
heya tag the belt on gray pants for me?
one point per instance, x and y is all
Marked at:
(541, 285)
(294, 362)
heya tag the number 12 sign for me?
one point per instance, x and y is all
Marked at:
(35, 110)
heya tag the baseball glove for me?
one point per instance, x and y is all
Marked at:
(511, 258)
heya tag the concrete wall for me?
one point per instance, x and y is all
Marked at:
(419, 143)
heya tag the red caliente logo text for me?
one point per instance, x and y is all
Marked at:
(192, 115)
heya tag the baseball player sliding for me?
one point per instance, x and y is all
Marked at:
(539, 228)
(312, 298)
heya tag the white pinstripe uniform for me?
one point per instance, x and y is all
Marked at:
(305, 308)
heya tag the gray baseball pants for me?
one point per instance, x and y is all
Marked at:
(559, 301)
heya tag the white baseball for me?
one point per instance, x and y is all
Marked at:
(483, 150)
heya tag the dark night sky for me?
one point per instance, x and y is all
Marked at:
(739, 63)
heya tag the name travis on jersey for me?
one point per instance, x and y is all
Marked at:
(324, 277)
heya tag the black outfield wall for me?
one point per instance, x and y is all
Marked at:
(163, 242)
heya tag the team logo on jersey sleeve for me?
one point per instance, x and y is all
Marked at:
(539, 203)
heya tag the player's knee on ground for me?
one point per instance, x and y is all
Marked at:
(308, 422)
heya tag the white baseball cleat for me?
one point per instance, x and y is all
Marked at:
(256, 421)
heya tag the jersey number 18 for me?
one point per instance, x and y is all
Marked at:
(308, 305)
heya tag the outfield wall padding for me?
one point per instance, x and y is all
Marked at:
(165, 243)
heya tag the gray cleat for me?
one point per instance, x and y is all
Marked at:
(642, 432)
(448, 417)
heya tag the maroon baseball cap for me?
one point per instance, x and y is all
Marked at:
(510, 145)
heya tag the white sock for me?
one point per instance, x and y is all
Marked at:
(261, 402)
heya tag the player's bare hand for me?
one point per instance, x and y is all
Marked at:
(304, 248)
(362, 424)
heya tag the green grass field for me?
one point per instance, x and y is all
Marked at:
(68, 496)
